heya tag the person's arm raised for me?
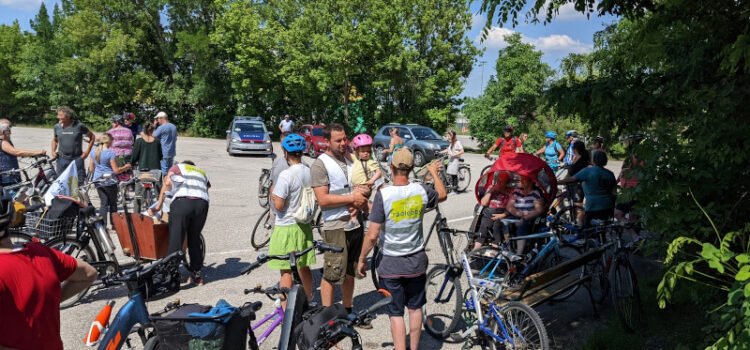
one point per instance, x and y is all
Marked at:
(92, 139)
(8, 148)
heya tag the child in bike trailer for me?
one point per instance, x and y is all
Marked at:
(494, 201)
(365, 172)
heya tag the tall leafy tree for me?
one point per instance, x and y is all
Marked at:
(11, 44)
(513, 95)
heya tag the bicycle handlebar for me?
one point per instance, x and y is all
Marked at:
(263, 258)
(270, 290)
(139, 271)
(338, 329)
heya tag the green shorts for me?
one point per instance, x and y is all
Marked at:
(285, 239)
(336, 266)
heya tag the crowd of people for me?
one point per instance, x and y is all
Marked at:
(357, 212)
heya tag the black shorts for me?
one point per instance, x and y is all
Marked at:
(406, 291)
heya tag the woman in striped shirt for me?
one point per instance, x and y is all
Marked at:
(526, 205)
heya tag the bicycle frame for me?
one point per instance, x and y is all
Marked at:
(278, 313)
(132, 313)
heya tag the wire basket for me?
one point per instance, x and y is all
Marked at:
(44, 228)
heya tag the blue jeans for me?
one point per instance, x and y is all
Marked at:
(165, 164)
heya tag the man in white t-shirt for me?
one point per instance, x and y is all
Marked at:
(286, 126)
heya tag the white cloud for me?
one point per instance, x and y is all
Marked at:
(21, 4)
(565, 12)
(495, 38)
(560, 43)
(556, 43)
(477, 20)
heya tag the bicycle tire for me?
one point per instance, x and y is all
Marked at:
(264, 189)
(85, 253)
(599, 284)
(524, 326)
(265, 223)
(464, 179)
(374, 262)
(486, 169)
(626, 298)
(439, 278)
(566, 253)
(20, 238)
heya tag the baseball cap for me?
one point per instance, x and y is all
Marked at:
(160, 115)
(402, 159)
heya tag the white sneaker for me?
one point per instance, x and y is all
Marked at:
(452, 193)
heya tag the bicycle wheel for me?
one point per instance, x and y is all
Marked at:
(486, 169)
(625, 295)
(523, 326)
(264, 186)
(566, 253)
(76, 249)
(263, 229)
(464, 179)
(374, 262)
(595, 268)
(20, 238)
(443, 309)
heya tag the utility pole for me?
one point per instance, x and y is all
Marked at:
(482, 63)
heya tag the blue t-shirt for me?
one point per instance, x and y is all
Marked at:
(598, 186)
(550, 152)
(103, 166)
(167, 135)
(569, 155)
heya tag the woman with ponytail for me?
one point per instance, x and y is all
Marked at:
(104, 161)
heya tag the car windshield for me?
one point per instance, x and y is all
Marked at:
(318, 132)
(425, 134)
(249, 127)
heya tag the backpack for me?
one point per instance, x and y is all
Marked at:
(308, 205)
(502, 144)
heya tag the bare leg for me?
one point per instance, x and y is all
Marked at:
(326, 292)
(580, 213)
(347, 291)
(307, 281)
(286, 282)
(415, 327)
(398, 331)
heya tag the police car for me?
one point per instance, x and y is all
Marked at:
(248, 135)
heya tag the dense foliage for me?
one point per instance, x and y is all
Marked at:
(677, 70)
(364, 62)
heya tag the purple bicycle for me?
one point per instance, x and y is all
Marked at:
(278, 295)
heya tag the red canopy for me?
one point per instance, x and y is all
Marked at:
(525, 165)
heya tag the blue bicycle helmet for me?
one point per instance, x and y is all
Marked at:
(571, 133)
(550, 134)
(294, 143)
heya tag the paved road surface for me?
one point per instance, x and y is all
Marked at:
(234, 210)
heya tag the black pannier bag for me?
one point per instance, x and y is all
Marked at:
(308, 330)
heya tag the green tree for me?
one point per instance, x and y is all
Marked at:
(12, 43)
(513, 95)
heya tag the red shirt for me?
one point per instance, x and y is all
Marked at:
(507, 145)
(30, 296)
(628, 174)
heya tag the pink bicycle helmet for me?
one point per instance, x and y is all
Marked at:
(361, 140)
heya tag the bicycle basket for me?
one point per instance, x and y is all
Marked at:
(157, 283)
(46, 228)
(226, 330)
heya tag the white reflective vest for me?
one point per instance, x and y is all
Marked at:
(192, 183)
(339, 183)
(404, 208)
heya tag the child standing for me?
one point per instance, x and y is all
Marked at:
(365, 172)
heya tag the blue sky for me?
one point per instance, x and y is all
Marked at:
(569, 32)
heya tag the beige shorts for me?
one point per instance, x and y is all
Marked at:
(336, 266)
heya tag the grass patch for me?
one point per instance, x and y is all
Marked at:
(676, 327)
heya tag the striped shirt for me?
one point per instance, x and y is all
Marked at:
(525, 202)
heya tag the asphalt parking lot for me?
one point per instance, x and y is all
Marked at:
(233, 212)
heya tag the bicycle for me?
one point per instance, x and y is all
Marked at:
(278, 312)
(341, 328)
(380, 158)
(512, 325)
(464, 174)
(147, 189)
(487, 168)
(30, 191)
(297, 303)
(264, 185)
(263, 228)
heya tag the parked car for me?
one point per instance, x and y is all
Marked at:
(316, 143)
(423, 141)
(248, 135)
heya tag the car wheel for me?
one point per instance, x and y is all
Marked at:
(311, 151)
(418, 158)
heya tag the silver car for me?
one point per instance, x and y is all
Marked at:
(248, 135)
